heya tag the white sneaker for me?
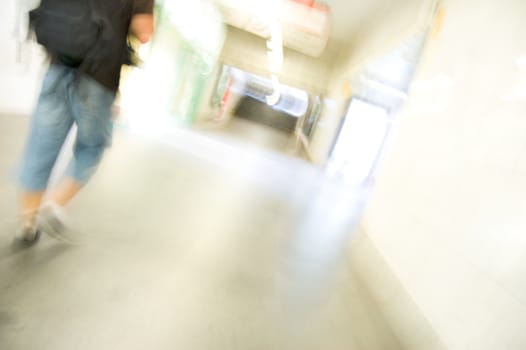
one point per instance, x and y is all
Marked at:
(51, 221)
(27, 234)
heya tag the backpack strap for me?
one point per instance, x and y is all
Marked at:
(100, 17)
(95, 56)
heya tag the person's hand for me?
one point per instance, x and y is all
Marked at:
(142, 27)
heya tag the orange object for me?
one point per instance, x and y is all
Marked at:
(439, 22)
(308, 3)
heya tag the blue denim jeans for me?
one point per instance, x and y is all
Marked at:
(67, 97)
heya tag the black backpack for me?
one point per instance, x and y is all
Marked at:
(75, 29)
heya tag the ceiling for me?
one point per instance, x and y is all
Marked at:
(358, 32)
(353, 16)
(362, 30)
(353, 22)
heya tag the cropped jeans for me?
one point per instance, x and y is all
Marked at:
(67, 97)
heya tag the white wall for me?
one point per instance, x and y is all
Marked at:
(20, 71)
(249, 52)
(389, 26)
(384, 30)
(448, 214)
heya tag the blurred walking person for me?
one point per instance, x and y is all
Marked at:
(87, 44)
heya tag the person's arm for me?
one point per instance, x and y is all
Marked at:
(142, 27)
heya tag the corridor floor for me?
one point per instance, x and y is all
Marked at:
(189, 243)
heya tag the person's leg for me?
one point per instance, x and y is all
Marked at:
(65, 191)
(50, 125)
(29, 204)
(92, 110)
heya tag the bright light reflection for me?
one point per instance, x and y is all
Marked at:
(359, 143)
(276, 94)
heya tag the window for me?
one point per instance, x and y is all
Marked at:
(359, 141)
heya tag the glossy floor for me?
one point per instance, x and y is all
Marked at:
(188, 242)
